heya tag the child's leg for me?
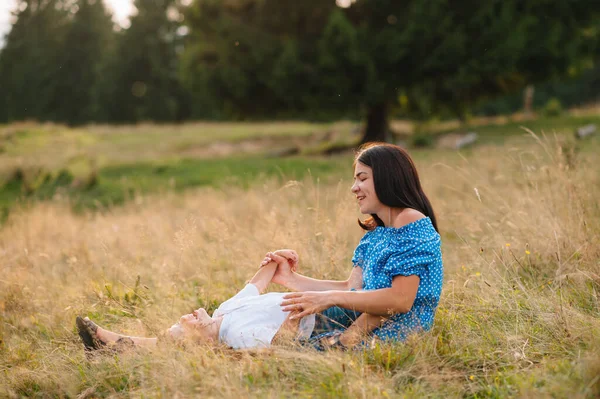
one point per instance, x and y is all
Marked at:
(109, 337)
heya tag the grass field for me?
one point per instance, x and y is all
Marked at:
(101, 166)
(519, 314)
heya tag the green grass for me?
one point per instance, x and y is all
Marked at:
(113, 185)
(145, 178)
(101, 166)
(55, 146)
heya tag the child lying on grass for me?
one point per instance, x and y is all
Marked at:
(250, 319)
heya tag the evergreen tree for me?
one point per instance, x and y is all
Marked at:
(85, 52)
(29, 62)
(469, 51)
(145, 67)
(253, 58)
(341, 61)
(285, 58)
(256, 57)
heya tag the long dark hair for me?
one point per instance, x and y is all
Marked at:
(395, 179)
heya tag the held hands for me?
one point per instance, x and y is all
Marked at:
(305, 303)
(289, 254)
(287, 264)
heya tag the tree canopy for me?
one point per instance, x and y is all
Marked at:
(269, 59)
(29, 66)
(442, 55)
(82, 58)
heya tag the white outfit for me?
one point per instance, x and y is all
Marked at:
(251, 320)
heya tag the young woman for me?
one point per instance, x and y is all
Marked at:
(395, 285)
(248, 320)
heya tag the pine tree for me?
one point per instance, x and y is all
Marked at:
(467, 52)
(253, 58)
(256, 58)
(29, 62)
(145, 69)
(85, 52)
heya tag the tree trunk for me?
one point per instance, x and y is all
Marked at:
(377, 124)
(528, 100)
(460, 109)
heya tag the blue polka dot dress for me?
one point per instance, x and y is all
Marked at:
(413, 249)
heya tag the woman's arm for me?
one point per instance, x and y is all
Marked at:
(382, 302)
(399, 298)
(298, 282)
(286, 275)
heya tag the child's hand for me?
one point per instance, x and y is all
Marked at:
(289, 254)
(274, 257)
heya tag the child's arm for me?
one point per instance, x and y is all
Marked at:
(263, 276)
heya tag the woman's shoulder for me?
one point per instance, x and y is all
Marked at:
(407, 216)
(414, 230)
(408, 226)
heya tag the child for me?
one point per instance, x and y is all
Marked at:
(247, 320)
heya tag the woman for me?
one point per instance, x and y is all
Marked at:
(395, 284)
(248, 320)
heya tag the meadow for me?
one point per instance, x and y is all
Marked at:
(519, 314)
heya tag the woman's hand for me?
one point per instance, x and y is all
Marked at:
(285, 270)
(289, 254)
(305, 303)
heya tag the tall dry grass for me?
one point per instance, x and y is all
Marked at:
(519, 315)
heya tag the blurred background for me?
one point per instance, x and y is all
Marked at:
(156, 90)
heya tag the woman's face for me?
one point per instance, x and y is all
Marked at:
(364, 189)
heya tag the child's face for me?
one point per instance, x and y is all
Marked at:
(193, 325)
(202, 316)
